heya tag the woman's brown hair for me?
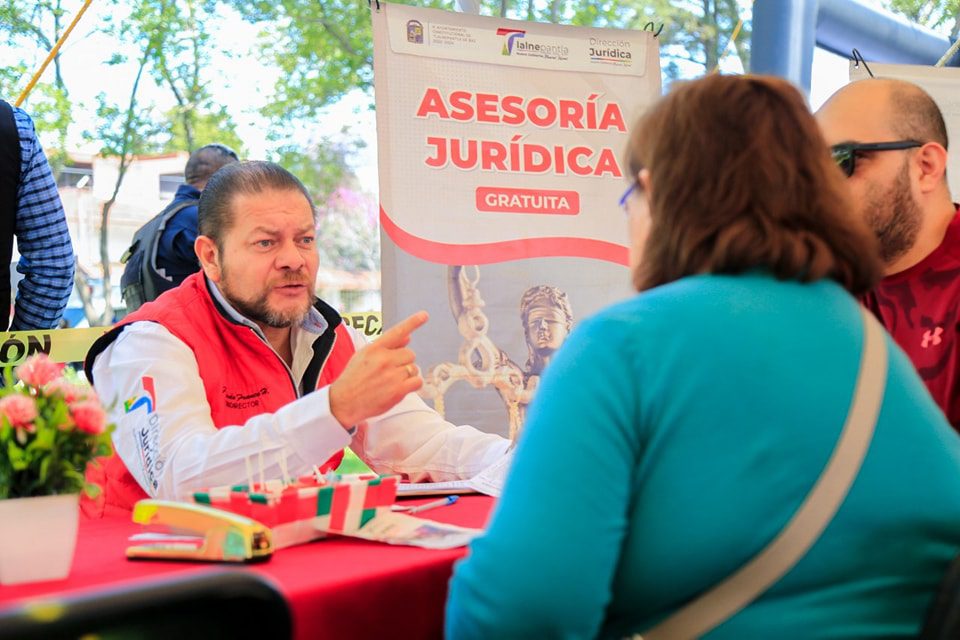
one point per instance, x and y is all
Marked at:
(741, 179)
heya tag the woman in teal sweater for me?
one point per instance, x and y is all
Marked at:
(675, 434)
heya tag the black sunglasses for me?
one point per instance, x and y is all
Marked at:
(845, 154)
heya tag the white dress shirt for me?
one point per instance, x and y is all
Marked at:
(175, 449)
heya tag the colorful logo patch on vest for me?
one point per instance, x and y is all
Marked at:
(148, 434)
(149, 397)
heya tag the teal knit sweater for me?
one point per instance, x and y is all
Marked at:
(673, 437)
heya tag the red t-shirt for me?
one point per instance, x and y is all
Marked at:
(920, 308)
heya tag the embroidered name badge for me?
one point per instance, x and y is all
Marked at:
(241, 399)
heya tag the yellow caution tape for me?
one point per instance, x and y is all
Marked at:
(62, 345)
(71, 345)
(369, 323)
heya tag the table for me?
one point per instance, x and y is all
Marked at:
(328, 584)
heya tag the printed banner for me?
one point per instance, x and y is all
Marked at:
(500, 155)
(941, 83)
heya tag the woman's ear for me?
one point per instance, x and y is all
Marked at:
(209, 255)
(643, 177)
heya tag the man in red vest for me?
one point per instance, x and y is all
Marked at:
(241, 367)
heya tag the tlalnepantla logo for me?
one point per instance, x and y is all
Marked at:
(516, 42)
(510, 36)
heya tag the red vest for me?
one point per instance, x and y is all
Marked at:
(241, 374)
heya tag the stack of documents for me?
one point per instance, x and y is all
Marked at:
(489, 481)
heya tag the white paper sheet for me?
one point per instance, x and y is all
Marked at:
(489, 481)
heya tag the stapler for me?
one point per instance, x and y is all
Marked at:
(196, 532)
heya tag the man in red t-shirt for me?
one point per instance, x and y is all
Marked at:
(889, 137)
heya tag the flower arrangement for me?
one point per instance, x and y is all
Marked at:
(50, 429)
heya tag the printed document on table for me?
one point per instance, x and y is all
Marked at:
(489, 481)
(402, 529)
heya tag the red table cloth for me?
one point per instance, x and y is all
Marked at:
(334, 587)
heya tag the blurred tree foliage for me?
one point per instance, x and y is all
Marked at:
(323, 166)
(325, 49)
(940, 15)
(347, 233)
(166, 40)
(214, 125)
(179, 61)
(36, 25)
(123, 131)
(348, 236)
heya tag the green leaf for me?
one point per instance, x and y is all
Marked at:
(17, 456)
(44, 439)
(44, 469)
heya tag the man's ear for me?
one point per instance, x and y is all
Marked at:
(932, 161)
(209, 255)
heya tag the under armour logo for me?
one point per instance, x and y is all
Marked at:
(932, 337)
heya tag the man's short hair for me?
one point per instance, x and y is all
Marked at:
(251, 177)
(916, 115)
(206, 160)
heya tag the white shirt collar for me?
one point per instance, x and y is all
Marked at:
(302, 337)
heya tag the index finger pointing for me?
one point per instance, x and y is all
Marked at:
(399, 334)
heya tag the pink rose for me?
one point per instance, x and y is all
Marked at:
(38, 370)
(68, 391)
(19, 410)
(89, 416)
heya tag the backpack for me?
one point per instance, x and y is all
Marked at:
(141, 281)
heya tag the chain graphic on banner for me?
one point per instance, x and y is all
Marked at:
(547, 319)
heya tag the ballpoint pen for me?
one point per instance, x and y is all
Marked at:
(442, 502)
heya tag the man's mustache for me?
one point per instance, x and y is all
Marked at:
(286, 281)
(294, 278)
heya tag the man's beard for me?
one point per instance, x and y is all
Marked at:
(895, 217)
(258, 309)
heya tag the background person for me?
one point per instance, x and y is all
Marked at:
(161, 253)
(699, 414)
(901, 190)
(242, 363)
(33, 213)
(175, 253)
